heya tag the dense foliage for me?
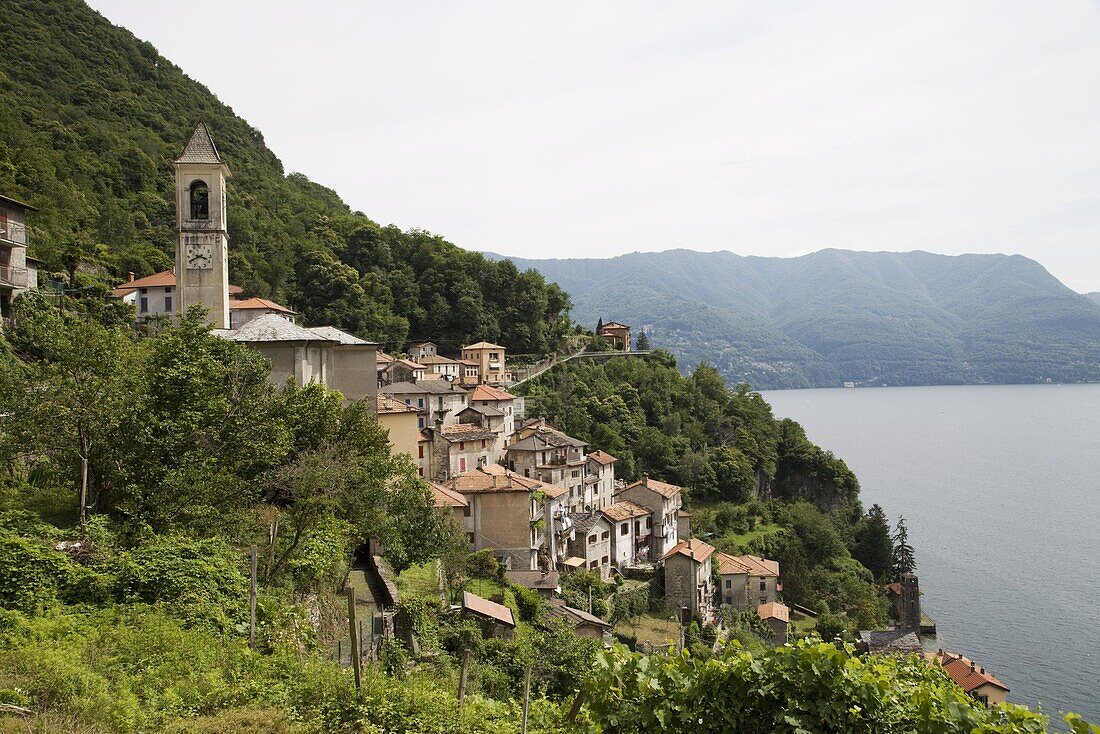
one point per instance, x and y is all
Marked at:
(809, 687)
(834, 316)
(90, 119)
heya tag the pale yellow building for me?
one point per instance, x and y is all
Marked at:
(492, 365)
(400, 421)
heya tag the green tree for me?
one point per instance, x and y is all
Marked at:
(905, 560)
(874, 546)
(643, 341)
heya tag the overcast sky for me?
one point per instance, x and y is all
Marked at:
(582, 129)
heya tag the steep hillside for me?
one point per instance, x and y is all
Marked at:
(90, 119)
(834, 316)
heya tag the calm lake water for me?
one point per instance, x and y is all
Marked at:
(1000, 488)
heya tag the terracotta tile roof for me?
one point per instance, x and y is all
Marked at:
(483, 345)
(546, 438)
(435, 359)
(466, 432)
(615, 325)
(666, 490)
(774, 610)
(488, 609)
(426, 387)
(156, 280)
(693, 548)
(749, 565)
(534, 579)
(485, 392)
(410, 364)
(624, 510)
(200, 148)
(495, 478)
(250, 304)
(383, 358)
(386, 404)
(965, 672)
(602, 457)
(447, 497)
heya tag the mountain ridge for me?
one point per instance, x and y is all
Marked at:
(833, 316)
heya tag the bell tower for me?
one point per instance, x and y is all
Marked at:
(202, 251)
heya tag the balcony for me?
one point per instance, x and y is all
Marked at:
(13, 232)
(13, 277)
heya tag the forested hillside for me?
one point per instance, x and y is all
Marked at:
(834, 316)
(90, 120)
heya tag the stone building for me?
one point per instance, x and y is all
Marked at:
(18, 271)
(687, 578)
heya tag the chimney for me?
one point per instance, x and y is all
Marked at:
(131, 276)
(981, 670)
(971, 666)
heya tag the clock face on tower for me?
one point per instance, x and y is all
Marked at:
(198, 257)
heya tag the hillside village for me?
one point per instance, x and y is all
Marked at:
(542, 503)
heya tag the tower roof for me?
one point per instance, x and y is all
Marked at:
(200, 148)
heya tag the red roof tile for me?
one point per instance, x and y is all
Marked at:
(965, 672)
(774, 610)
(693, 548)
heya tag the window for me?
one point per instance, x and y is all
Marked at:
(624, 528)
(200, 201)
(420, 402)
(729, 584)
(637, 526)
(648, 523)
(462, 465)
(420, 449)
(592, 538)
(168, 304)
(420, 471)
(763, 585)
(594, 564)
(420, 424)
(576, 473)
(462, 446)
(466, 511)
(605, 535)
(483, 443)
(144, 304)
(605, 560)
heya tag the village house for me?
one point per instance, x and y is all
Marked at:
(18, 271)
(687, 578)
(492, 419)
(384, 362)
(521, 520)
(592, 542)
(544, 582)
(599, 479)
(440, 400)
(405, 370)
(294, 352)
(354, 366)
(400, 421)
(582, 622)
(469, 373)
(243, 311)
(631, 527)
(446, 498)
(617, 334)
(665, 501)
(487, 396)
(546, 453)
(442, 366)
(457, 448)
(972, 678)
(747, 581)
(777, 616)
(496, 620)
(904, 598)
(490, 359)
(420, 350)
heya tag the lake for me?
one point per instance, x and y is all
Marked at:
(1000, 489)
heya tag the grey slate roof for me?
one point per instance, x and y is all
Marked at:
(342, 337)
(546, 438)
(486, 410)
(200, 148)
(270, 328)
(424, 387)
(576, 616)
(583, 523)
(891, 641)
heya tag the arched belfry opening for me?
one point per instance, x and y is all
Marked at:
(200, 201)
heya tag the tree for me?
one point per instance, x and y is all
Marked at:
(904, 559)
(599, 326)
(874, 547)
(643, 341)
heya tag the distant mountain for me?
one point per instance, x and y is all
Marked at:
(1094, 296)
(833, 316)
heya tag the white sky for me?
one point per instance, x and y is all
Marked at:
(582, 129)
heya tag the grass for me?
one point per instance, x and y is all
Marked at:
(421, 581)
(486, 588)
(652, 628)
(802, 623)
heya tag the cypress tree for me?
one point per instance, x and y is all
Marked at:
(904, 559)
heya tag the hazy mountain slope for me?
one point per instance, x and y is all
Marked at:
(1094, 296)
(835, 315)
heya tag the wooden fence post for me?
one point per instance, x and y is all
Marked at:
(356, 661)
(252, 599)
(462, 673)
